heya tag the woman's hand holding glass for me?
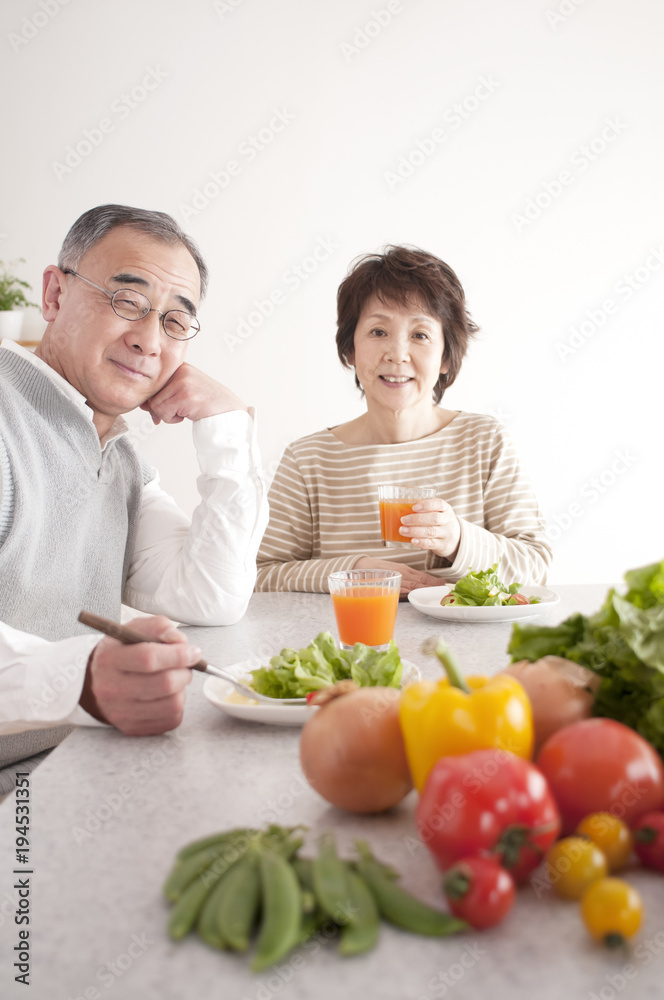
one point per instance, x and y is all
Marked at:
(434, 526)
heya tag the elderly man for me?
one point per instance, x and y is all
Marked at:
(83, 521)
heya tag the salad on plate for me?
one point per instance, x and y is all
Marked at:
(484, 589)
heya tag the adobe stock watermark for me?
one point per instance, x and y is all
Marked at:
(147, 764)
(446, 979)
(291, 280)
(454, 116)
(562, 12)
(623, 290)
(33, 23)
(224, 7)
(218, 181)
(642, 954)
(283, 974)
(365, 33)
(141, 427)
(68, 674)
(119, 111)
(582, 158)
(591, 491)
(277, 807)
(108, 974)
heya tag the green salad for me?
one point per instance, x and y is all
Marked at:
(483, 588)
(623, 643)
(294, 673)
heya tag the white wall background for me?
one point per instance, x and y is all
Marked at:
(359, 96)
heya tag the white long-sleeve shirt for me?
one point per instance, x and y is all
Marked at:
(200, 572)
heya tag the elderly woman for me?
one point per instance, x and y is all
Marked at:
(403, 326)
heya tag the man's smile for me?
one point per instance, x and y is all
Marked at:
(131, 372)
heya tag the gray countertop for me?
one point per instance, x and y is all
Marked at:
(110, 812)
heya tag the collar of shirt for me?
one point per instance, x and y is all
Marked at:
(119, 426)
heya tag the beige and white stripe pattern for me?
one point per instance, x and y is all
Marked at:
(324, 506)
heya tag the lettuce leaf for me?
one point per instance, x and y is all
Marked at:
(483, 588)
(623, 643)
(294, 673)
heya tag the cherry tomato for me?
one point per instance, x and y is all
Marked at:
(480, 891)
(572, 864)
(649, 840)
(612, 911)
(600, 765)
(612, 836)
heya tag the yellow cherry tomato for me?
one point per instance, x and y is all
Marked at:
(612, 911)
(612, 836)
(572, 864)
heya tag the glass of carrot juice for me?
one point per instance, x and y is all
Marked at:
(365, 605)
(394, 502)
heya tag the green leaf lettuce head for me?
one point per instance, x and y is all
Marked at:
(623, 643)
(295, 673)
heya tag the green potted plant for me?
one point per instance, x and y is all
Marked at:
(13, 300)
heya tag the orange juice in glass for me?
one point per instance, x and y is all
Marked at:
(394, 502)
(365, 605)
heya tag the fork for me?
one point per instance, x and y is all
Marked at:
(129, 636)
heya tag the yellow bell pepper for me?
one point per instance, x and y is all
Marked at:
(455, 716)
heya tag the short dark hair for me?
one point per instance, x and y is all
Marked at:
(96, 223)
(406, 275)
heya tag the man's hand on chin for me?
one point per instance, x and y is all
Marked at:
(190, 394)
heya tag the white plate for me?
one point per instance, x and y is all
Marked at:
(427, 600)
(216, 691)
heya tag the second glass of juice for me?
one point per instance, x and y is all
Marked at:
(395, 502)
(365, 605)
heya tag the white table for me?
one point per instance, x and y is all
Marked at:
(109, 813)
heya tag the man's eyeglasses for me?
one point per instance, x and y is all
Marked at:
(129, 304)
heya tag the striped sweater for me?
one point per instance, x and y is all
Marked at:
(324, 506)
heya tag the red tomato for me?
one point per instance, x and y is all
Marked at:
(480, 891)
(488, 803)
(599, 765)
(649, 840)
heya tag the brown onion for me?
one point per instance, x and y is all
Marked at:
(560, 692)
(352, 751)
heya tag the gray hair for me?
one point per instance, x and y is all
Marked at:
(93, 225)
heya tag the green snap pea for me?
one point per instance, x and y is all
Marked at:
(208, 924)
(239, 902)
(185, 871)
(362, 934)
(304, 872)
(282, 914)
(187, 908)
(330, 878)
(400, 908)
(215, 838)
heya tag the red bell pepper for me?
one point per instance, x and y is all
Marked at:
(489, 803)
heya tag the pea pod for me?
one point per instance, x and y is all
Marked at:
(330, 878)
(282, 914)
(212, 841)
(208, 924)
(187, 909)
(304, 871)
(185, 871)
(400, 908)
(239, 902)
(362, 934)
